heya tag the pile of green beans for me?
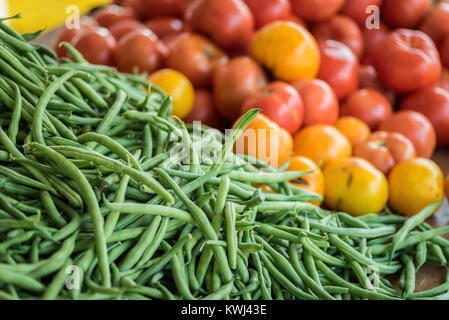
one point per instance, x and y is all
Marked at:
(94, 204)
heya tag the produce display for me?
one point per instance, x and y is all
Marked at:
(116, 162)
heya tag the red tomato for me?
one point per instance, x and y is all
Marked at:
(433, 102)
(368, 79)
(109, 15)
(405, 13)
(342, 29)
(368, 105)
(140, 49)
(372, 38)
(235, 81)
(436, 23)
(444, 51)
(356, 9)
(385, 149)
(443, 82)
(407, 60)
(67, 35)
(416, 127)
(296, 20)
(204, 111)
(316, 10)
(339, 67)
(196, 57)
(156, 8)
(123, 27)
(229, 23)
(320, 101)
(269, 10)
(281, 103)
(164, 26)
(97, 46)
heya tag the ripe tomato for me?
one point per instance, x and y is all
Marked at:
(196, 57)
(342, 29)
(123, 27)
(435, 23)
(268, 11)
(355, 186)
(97, 46)
(287, 49)
(67, 35)
(316, 10)
(320, 101)
(140, 49)
(156, 8)
(407, 60)
(385, 149)
(321, 143)
(405, 13)
(415, 184)
(203, 110)
(178, 87)
(164, 26)
(357, 9)
(235, 81)
(354, 129)
(433, 102)
(369, 106)
(281, 103)
(416, 127)
(371, 39)
(444, 51)
(447, 187)
(229, 23)
(339, 67)
(443, 82)
(265, 140)
(368, 79)
(111, 14)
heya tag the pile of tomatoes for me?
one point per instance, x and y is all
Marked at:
(356, 90)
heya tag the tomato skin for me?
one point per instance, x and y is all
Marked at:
(343, 29)
(156, 8)
(163, 26)
(435, 23)
(407, 60)
(243, 77)
(355, 186)
(446, 188)
(320, 102)
(281, 103)
(415, 184)
(97, 46)
(112, 14)
(229, 23)
(141, 49)
(368, 79)
(203, 110)
(356, 9)
(67, 35)
(339, 67)
(405, 13)
(369, 106)
(433, 102)
(443, 82)
(444, 51)
(316, 10)
(354, 129)
(123, 27)
(416, 127)
(268, 11)
(293, 55)
(196, 57)
(371, 39)
(385, 149)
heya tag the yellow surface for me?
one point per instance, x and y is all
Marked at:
(39, 14)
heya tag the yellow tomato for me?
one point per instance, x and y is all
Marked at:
(176, 85)
(415, 184)
(354, 129)
(355, 186)
(288, 50)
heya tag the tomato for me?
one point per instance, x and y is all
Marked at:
(123, 27)
(287, 49)
(354, 129)
(415, 184)
(443, 82)
(268, 11)
(446, 188)
(444, 51)
(316, 10)
(433, 102)
(368, 79)
(229, 23)
(407, 60)
(385, 149)
(369, 106)
(320, 102)
(140, 49)
(178, 87)
(314, 181)
(196, 57)
(97, 46)
(357, 10)
(355, 186)
(233, 82)
(297, 20)
(339, 67)
(371, 39)
(281, 103)
(156, 8)
(203, 110)
(435, 23)
(416, 127)
(111, 14)
(67, 35)
(405, 13)
(321, 143)
(342, 29)
(164, 26)
(265, 140)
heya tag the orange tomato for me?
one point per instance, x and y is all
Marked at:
(446, 188)
(313, 181)
(265, 140)
(287, 49)
(354, 129)
(321, 143)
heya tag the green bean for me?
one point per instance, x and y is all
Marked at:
(20, 280)
(13, 128)
(421, 254)
(112, 112)
(410, 275)
(438, 252)
(231, 235)
(51, 209)
(56, 285)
